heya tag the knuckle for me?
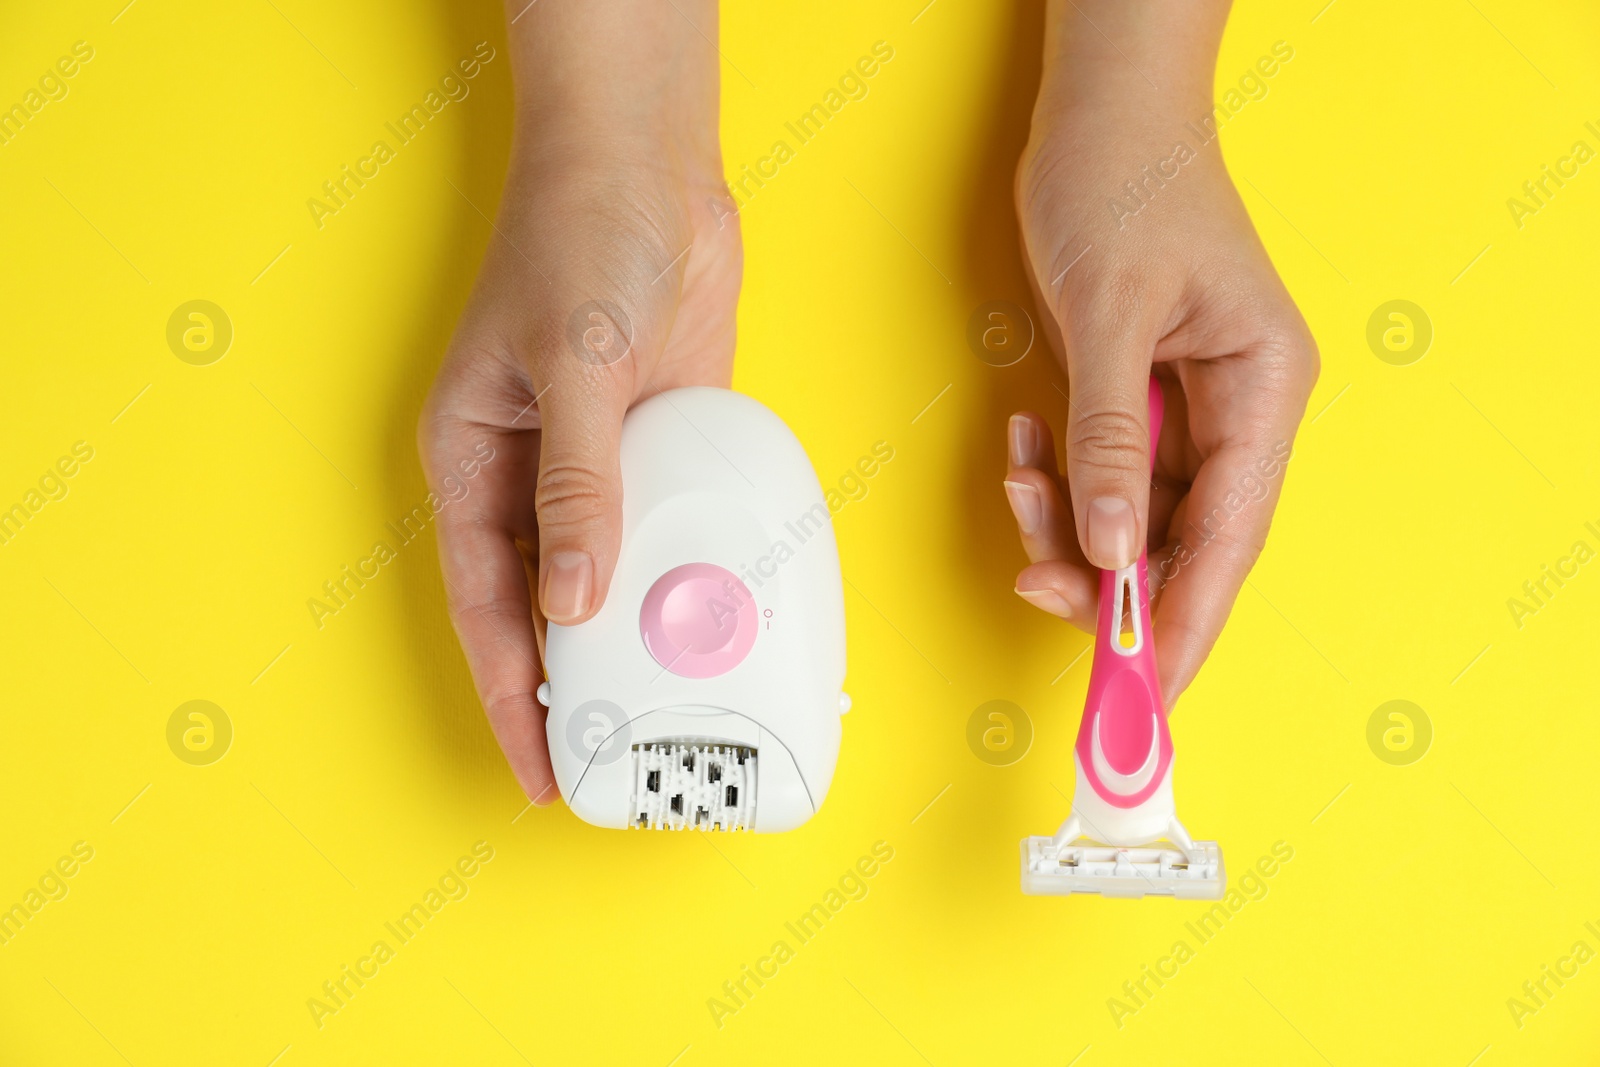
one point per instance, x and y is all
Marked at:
(1231, 552)
(1185, 643)
(1108, 440)
(568, 495)
(469, 526)
(491, 606)
(1289, 356)
(508, 702)
(427, 434)
(1103, 304)
(1312, 360)
(483, 382)
(1036, 180)
(433, 436)
(1239, 553)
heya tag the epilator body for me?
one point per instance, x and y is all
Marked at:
(707, 691)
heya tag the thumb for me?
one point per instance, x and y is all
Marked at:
(578, 496)
(1108, 444)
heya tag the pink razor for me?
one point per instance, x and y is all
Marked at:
(1123, 838)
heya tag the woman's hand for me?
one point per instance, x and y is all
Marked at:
(1142, 255)
(613, 274)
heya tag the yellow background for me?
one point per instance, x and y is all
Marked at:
(178, 566)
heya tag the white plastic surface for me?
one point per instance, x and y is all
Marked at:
(709, 476)
(1127, 580)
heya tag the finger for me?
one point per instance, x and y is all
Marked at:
(1109, 350)
(1067, 590)
(1034, 490)
(1224, 528)
(487, 591)
(1043, 520)
(1169, 481)
(1030, 443)
(578, 493)
(1162, 567)
(1065, 585)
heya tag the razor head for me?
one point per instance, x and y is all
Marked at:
(1087, 867)
(693, 785)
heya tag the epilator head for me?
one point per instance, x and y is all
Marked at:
(706, 692)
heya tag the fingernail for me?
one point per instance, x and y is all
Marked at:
(1047, 599)
(1022, 440)
(1025, 505)
(1111, 533)
(568, 586)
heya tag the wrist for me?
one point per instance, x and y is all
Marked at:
(1124, 58)
(625, 78)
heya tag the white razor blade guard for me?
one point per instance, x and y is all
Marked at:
(686, 785)
(1123, 851)
(721, 639)
(1122, 872)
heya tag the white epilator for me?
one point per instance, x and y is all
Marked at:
(706, 692)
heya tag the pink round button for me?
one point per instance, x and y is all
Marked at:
(699, 620)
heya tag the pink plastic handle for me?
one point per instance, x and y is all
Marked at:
(1123, 744)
